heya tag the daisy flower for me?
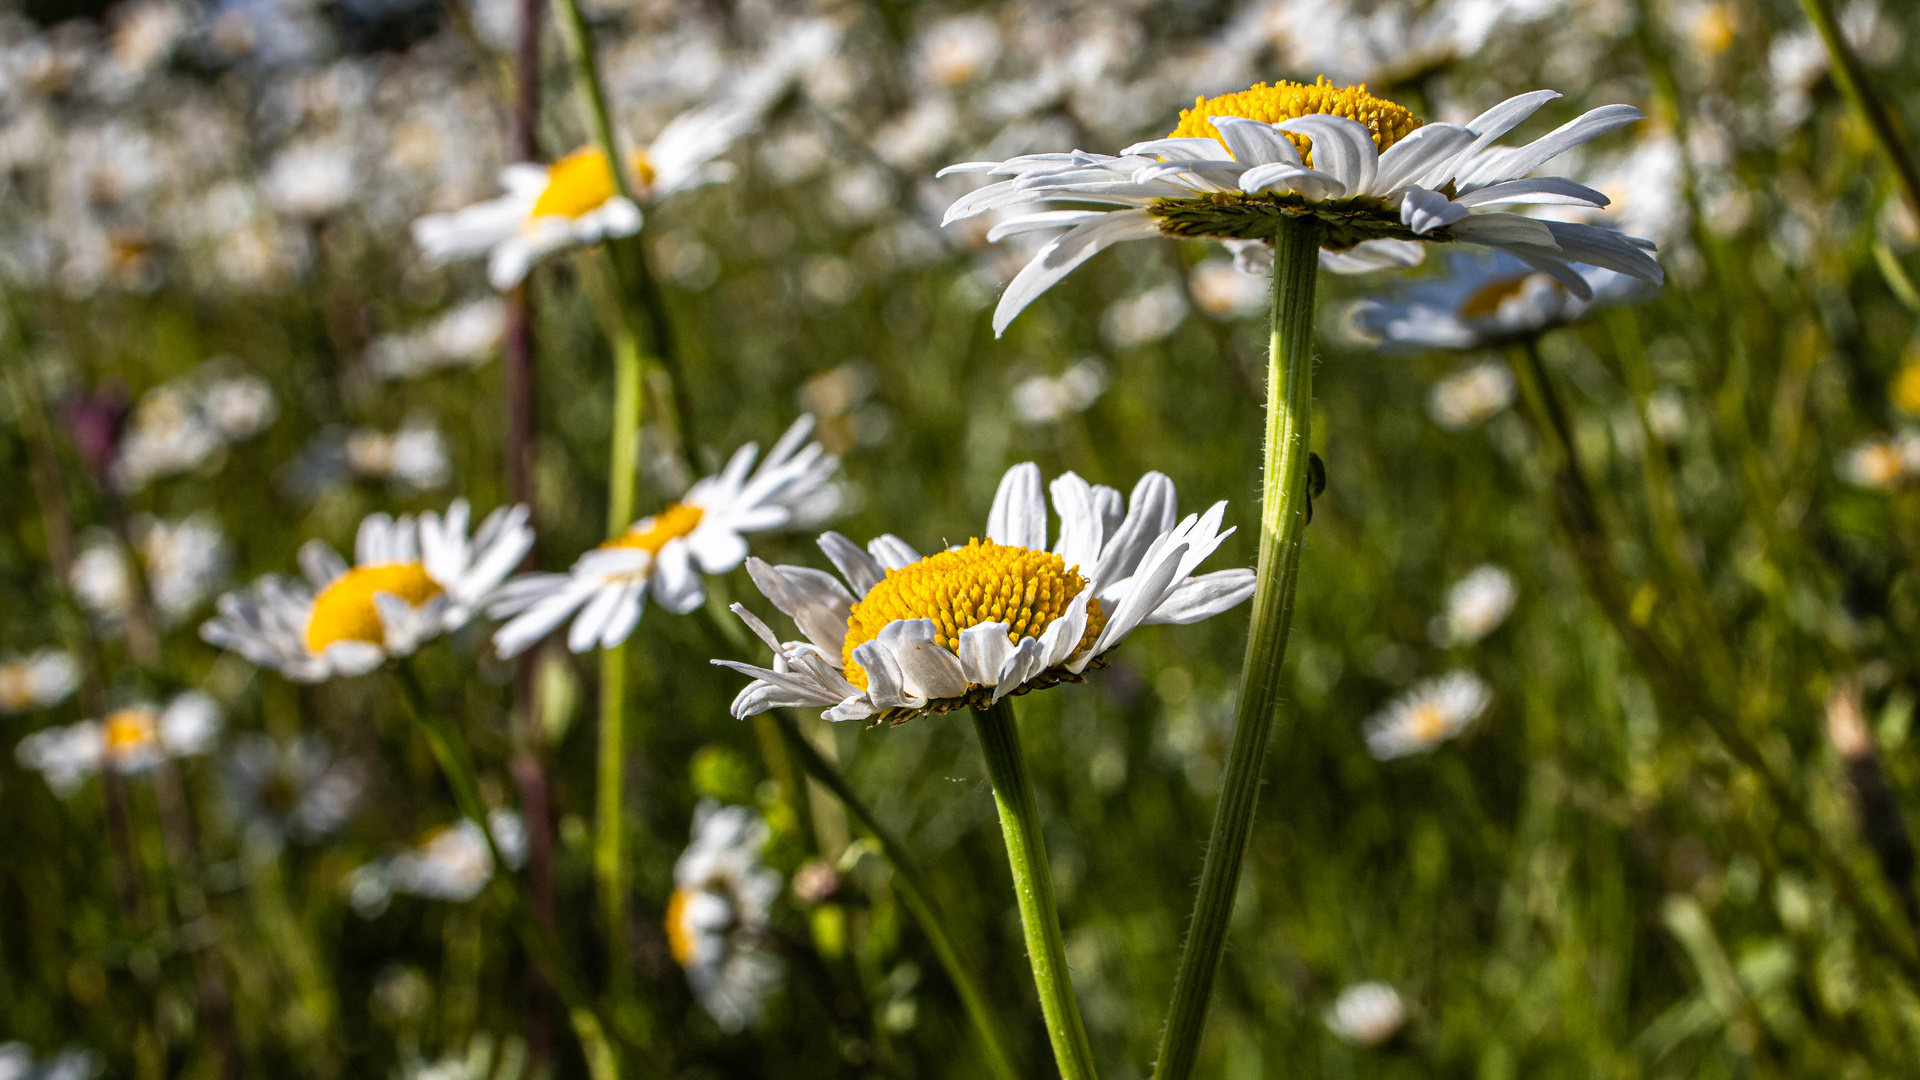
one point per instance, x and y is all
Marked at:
(295, 788)
(1428, 715)
(451, 863)
(719, 914)
(1367, 1014)
(1477, 605)
(1004, 615)
(410, 583)
(1482, 302)
(704, 533)
(1380, 182)
(129, 740)
(1882, 462)
(1465, 398)
(39, 680)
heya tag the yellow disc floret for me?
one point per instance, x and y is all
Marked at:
(1287, 100)
(344, 610)
(1485, 301)
(581, 183)
(651, 534)
(981, 583)
(679, 937)
(130, 730)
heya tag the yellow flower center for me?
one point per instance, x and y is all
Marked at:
(1288, 100)
(981, 583)
(16, 687)
(1881, 465)
(581, 183)
(652, 534)
(1486, 301)
(679, 939)
(1906, 389)
(1427, 723)
(344, 610)
(129, 730)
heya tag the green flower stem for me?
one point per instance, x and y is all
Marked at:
(586, 82)
(915, 890)
(1033, 888)
(1851, 74)
(456, 766)
(1283, 521)
(1677, 684)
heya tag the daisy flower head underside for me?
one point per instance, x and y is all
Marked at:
(908, 635)
(665, 555)
(411, 581)
(1379, 183)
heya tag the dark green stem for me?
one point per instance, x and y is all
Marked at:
(1851, 74)
(1033, 888)
(1283, 521)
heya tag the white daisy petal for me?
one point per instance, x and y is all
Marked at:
(1342, 148)
(1541, 189)
(1370, 255)
(927, 670)
(1019, 516)
(1496, 229)
(892, 552)
(1282, 176)
(1203, 597)
(814, 600)
(1587, 126)
(593, 618)
(1424, 211)
(1255, 143)
(1060, 256)
(983, 651)
(886, 687)
(861, 570)
(1081, 527)
(1425, 148)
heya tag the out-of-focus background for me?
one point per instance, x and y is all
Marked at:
(219, 341)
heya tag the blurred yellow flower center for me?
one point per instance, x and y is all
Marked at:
(344, 610)
(1289, 100)
(981, 583)
(651, 534)
(581, 183)
(1906, 389)
(678, 938)
(1427, 723)
(129, 730)
(16, 687)
(1486, 300)
(1881, 465)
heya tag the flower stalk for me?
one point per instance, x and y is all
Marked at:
(609, 841)
(1033, 888)
(1283, 522)
(1851, 74)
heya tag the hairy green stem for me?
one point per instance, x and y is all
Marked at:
(456, 766)
(1283, 521)
(915, 890)
(1851, 74)
(1033, 888)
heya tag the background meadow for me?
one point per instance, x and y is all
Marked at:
(220, 341)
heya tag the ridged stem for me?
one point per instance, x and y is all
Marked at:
(1033, 888)
(1283, 521)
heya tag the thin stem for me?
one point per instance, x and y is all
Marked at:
(586, 82)
(915, 890)
(609, 841)
(1033, 888)
(456, 766)
(1283, 521)
(1677, 684)
(1851, 74)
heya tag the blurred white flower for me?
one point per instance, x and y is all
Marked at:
(1428, 715)
(413, 582)
(168, 434)
(239, 407)
(719, 914)
(1882, 462)
(1465, 398)
(186, 562)
(465, 336)
(129, 740)
(1367, 1014)
(451, 863)
(72, 1063)
(1144, 319)
(1222, 290)
(311, 179)
(38, 680)
(101, 579)
(1477, 604)
(956, 50)
(413, 457)
(296, 788)
(1047, 399)
(666, 554)
(1481, 301)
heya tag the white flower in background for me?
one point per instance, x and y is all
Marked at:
(970, 625)
(1376, 178)
(1428, 715)
(1477, 605)
(101, 579)
(451, 863)
(413, 457)
(1367, 1014)
(1482, 301)
(1144, 319)
(956, 50)
(311, 179)
(1667, 415)
(466, 336)
(575, 201)
(1222, 290)
(129, 740)
(411, 583)
(1049, 399)
(1465, 398)
(721, 906)
(184, 563)
(1882, 462)
(295, 788)
(665, 554)
(38, 680)
(239, 407)
(73, 1063)
(168, 435)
